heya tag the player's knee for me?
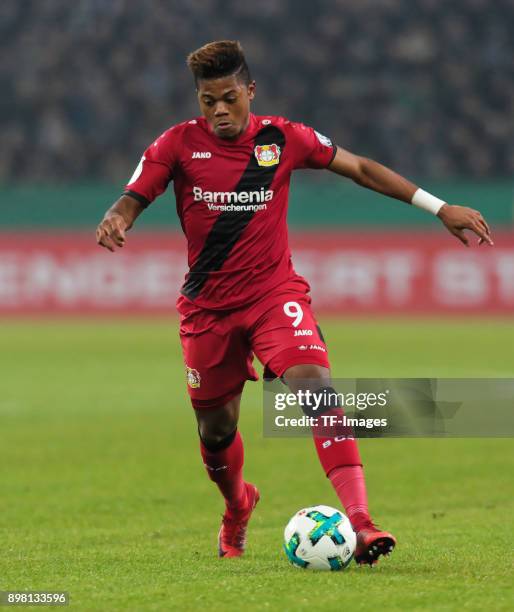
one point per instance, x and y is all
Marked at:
(313, 382)
(215, 426)
(306, 376)
(215, 436)
(318, 401)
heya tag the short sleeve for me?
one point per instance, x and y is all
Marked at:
(309, 148)
(154, 171)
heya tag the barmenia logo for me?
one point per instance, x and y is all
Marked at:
(230, 200)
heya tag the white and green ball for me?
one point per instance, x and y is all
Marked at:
(319, 538)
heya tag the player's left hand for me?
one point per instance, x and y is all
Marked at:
(458, 218)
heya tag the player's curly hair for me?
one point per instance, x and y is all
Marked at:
(219, 59)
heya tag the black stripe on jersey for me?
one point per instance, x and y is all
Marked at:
(320, 334)
(229, 226)
(137, 196)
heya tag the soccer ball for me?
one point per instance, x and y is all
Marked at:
(319, 538)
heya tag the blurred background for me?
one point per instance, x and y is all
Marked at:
(425, 87)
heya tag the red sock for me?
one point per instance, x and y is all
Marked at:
(339, 456)
(225, 467)
(350, 486)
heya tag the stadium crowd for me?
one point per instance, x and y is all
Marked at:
(426, 87)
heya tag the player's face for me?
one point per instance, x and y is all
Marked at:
(225, 103)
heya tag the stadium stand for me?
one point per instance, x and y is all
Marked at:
(425, 87)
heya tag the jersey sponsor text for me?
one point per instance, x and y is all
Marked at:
(232, 197)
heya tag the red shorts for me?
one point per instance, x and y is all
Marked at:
(218, 346)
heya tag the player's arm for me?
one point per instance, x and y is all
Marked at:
(117, 220)
(375, 176)
(149, 181)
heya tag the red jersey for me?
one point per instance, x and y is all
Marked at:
(231, 198)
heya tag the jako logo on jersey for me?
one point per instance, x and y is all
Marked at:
(201, 155)
(303, 332)
(193, 377)
(311, 347)
(232, 197)
(267, 155)
(316, 347)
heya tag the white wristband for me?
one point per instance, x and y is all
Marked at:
(425, 200)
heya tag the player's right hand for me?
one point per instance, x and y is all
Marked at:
(111, 231)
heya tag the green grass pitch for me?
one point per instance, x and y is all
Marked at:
(103, 494)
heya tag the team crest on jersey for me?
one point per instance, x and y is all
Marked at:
(267, 155)
(193, 377)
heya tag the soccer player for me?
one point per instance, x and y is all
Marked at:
(231, 171)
